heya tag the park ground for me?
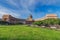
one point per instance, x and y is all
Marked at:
(25, 32)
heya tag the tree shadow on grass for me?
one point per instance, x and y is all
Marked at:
(12, 39)
(9, 39)
(17, 38)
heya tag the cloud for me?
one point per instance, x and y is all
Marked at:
(49, 2)
(4, 10)
(18, 8)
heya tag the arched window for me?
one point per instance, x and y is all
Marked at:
(5, 19)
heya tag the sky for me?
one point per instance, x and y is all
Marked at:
(23, 8)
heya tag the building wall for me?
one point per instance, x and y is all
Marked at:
(12, 19)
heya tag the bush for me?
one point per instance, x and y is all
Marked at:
(4, 23)
(48, 22)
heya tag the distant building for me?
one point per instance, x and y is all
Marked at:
(54, 16)
(48, 16)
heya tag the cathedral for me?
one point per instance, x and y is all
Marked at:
(11, 19)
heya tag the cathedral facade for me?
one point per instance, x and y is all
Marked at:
(11, 19)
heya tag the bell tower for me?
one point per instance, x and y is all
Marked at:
(29, 20)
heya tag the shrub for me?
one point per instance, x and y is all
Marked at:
(48, 22)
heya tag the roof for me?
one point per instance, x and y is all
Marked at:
(51, 15)
(46, 17)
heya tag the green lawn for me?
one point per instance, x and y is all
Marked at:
(22, 32)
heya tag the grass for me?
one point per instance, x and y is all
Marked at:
(23, 32)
